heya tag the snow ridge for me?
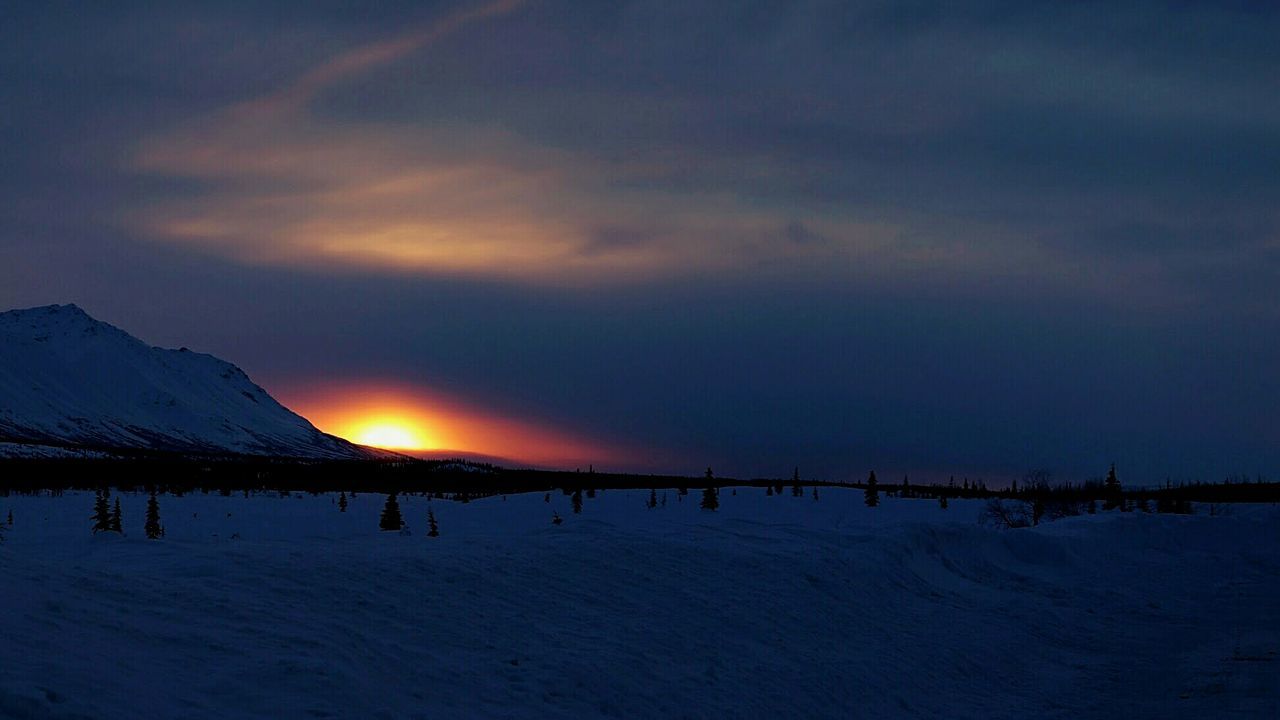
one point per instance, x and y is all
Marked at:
(68, 380)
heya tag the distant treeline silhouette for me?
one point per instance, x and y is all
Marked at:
(462, 480)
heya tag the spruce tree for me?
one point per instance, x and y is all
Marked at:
(116, 525)
(710, 499)
(153, 528)
(796, 490)
(1111, 491)
(433, 530)
(101, 512)
(342, 502)
(872, 493)
(391, 519)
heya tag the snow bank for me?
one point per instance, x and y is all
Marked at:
(769, 607)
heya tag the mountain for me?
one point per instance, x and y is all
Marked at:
(70, 384)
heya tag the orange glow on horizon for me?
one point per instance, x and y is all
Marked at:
(416, 420)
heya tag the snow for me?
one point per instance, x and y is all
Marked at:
(769, 607)
(67, 379)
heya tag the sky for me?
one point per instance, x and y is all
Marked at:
(658, 236)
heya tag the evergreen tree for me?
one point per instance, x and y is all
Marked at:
(796, 490)
(153, 528)
(1093, 506)
(102, 512)
(768, 490)
(942, 501)
(10, 517)
(116, 525)
(906, 487)
(391, 519)
(433, 530)
(709, 474)
(815, 493)
(577, 502)
(653, 498)
(1114, 498)
(710, 499)
(872, 493)
(342, 502)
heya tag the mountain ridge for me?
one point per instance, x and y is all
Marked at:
(70, 381)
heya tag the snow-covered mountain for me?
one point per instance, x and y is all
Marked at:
(68, 381)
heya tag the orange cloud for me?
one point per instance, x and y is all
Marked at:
(281, 186)
(416, 419)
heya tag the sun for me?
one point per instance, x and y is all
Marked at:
(390, 434)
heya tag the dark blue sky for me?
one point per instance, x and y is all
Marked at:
(840, 235)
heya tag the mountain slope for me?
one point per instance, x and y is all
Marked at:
(69, 380)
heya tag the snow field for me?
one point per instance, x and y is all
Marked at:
(768, 607)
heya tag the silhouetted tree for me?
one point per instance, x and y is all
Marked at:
(710, 475)
(1037, 509)
(391, 519)
(433, 530)
(577, 502)
(710, 499)
(872, 493)
(116, 525)
(796, 490)
(768, 490)
(1114, 498)
(653, 498)
(342, 502)
(102, 512)
(153, 528)
(906, 487)
(10, 517)
(815, 493)
(942, 501)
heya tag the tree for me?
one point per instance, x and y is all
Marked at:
(768, 490)
(872, 493)
(1114, 498)
(653, 498)
(942, 501)
(710, 499)
(709, 474)
(815, 493)
(391, 519)
(577, 502)
(10, 517)
(796, 490)
(433, 530)
(153, 528)
(116, 525)
(342, 502)
(102, 512)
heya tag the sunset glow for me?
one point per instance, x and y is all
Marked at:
(391, 434)
(420, 421)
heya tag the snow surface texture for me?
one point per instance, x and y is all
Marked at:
(69, 380)
(770, 607)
